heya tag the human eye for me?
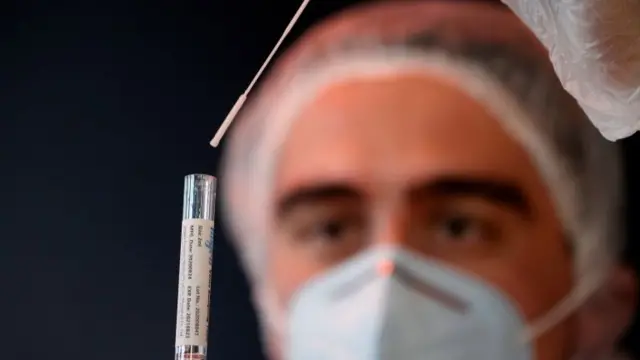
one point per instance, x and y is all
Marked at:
(460, 227)
(329, 234)
(328, 231)
(332, 229)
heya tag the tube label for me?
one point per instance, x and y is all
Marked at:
(194, 287)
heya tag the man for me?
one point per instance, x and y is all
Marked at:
(414, 183)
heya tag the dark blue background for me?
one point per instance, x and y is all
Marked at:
(104, 107)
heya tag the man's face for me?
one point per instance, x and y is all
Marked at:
(411, 161)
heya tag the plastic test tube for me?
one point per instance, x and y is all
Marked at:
(194, 287)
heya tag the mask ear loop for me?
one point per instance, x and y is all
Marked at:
(566, 307)
(241, 100)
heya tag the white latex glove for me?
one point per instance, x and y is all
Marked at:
(594, 46)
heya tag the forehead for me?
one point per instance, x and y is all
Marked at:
(395, 130)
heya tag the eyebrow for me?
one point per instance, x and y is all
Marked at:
(311, 194)
(500, 192)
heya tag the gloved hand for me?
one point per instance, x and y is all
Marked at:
(594, 46)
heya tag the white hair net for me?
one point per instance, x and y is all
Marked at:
(594, 46)
(580, 168)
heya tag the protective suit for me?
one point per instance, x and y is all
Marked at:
(594, 46)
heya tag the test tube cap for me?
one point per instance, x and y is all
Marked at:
(199, 200)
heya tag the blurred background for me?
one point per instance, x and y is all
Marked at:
(104, 107)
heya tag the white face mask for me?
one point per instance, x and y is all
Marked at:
(391, 304)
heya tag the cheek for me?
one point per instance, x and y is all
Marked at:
(287, 270)
(538, 268)
(548, 269)
(539, 280)
(532, 272)
(537, 277)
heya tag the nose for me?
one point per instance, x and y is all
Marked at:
(397, 227)
(392, 227)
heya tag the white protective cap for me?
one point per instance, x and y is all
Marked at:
(594, 46)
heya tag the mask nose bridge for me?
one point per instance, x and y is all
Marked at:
(392, 269)
(354, 285)
(429, 290)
